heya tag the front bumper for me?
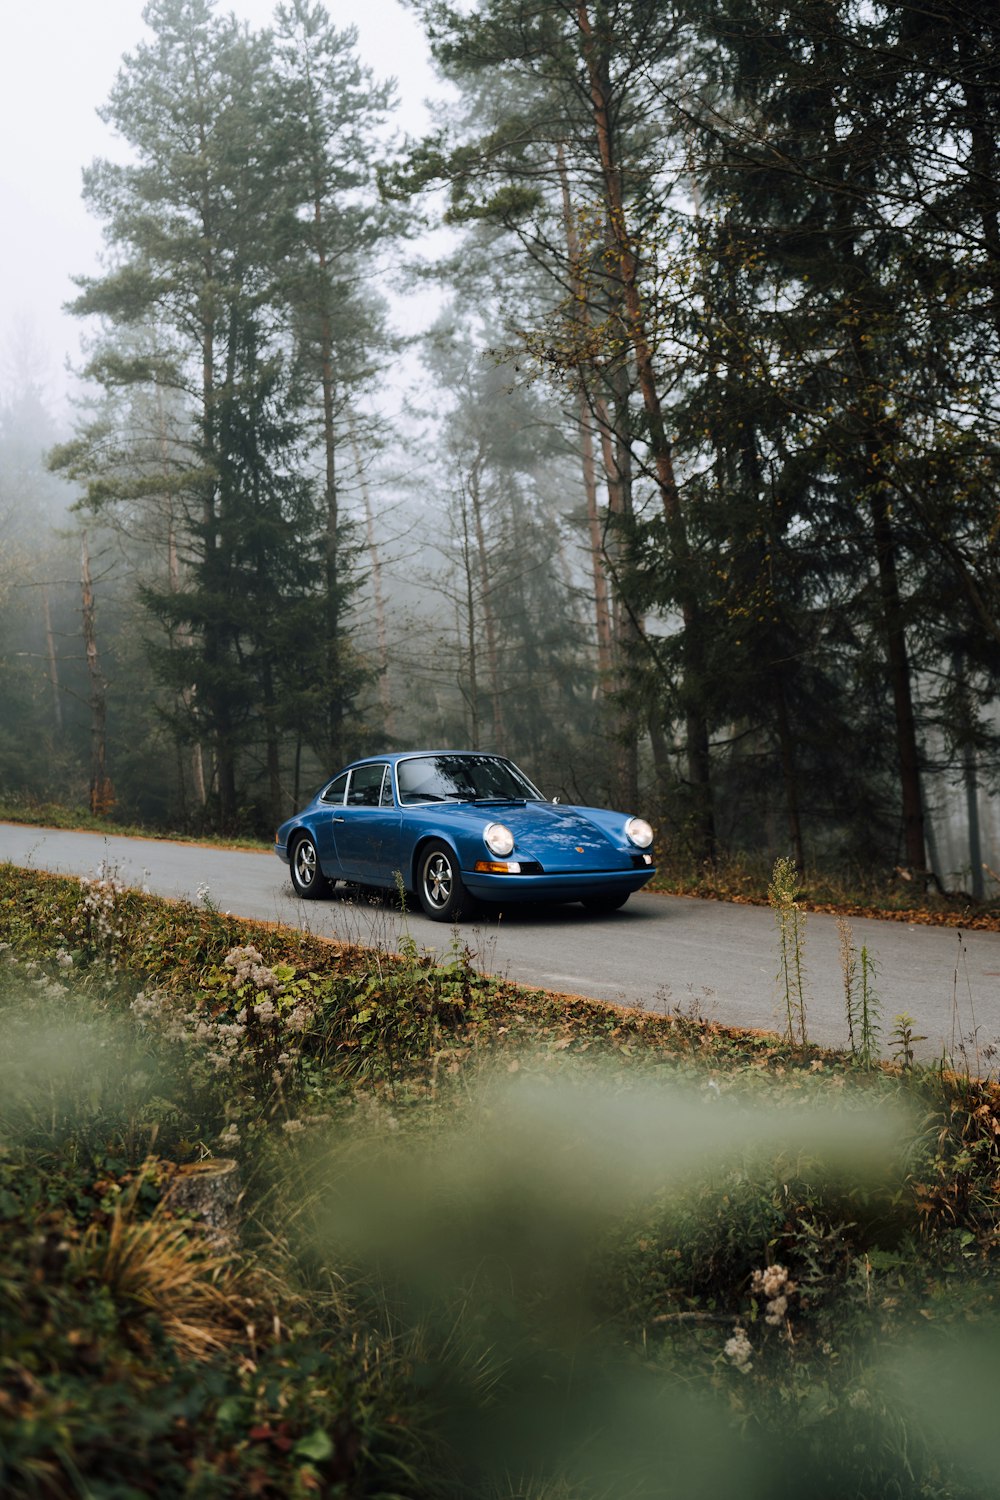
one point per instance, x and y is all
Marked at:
(555, 886)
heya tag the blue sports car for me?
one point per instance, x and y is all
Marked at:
(457, 827)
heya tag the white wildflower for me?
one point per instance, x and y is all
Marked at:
(774, 1284)
(776, 1311)
(738, 1350)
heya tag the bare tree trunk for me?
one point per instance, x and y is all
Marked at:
(970, 778)
(616, 626)
(697, 739)
(335, 704)
(375, 561)
(174, 575)
(272, 745)
(602, 612)
(786, 745)
(101, 793)
(489, 617)
(50, 652)
(914, 843)
(472, 696)
(626, 628)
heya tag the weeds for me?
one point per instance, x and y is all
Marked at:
(861, 1002)
(791, 937)
(903, 1039)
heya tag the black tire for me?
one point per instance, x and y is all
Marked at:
(614, 902)
(308, 879)
(440, 890)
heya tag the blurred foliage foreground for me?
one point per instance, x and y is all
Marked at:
(487, 1242)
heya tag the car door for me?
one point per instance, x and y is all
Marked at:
(329, 807)
(366, 828)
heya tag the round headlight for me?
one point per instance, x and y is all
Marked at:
(638, 832)
(498, 839)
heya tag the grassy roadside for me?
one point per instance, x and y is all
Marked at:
(888, 896)
(79, 820)
(488, 1242)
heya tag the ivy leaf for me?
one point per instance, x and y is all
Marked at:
(316, 1448)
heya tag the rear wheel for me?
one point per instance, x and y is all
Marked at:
(440, 890)
(308, 879)
(613, 902)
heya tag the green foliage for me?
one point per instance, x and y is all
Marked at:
(493, 1241)
(903, 1039)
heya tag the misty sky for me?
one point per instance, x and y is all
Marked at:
(59, 60)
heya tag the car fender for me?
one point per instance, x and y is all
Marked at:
(429, 836)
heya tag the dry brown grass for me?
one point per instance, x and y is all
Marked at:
(166, 1269)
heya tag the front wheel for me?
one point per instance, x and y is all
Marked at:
(613, 902)
(308, 879)
(440, 890)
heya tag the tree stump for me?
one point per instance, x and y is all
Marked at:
(210, 1192)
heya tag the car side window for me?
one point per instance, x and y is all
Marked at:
(365, 787)
(386, 798)
(335, 791)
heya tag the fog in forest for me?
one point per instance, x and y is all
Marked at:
(630, 409)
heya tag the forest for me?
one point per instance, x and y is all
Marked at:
(685, 496)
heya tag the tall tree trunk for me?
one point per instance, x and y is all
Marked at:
(375, 562)
(219, 636)
(101, 792)
(271, 744)
(335, 697)
(789, 774)
(214, 646)
(970, 778)
(187, 695)
(879, 440)
(472, 695)
(488, 613)
(696, 727)
(53, 663)
(602, 611)
(914, 845)
(616, 454)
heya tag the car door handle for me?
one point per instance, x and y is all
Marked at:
(339, 820)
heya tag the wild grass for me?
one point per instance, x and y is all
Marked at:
(491, 1242)
(43, 814)
(889, 893)
(791, 923)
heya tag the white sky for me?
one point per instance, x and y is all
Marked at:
(58, 60)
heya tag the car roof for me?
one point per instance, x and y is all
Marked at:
(393, 756)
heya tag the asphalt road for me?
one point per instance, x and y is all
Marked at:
(660, 952)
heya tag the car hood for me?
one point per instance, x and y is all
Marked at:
(560, 837)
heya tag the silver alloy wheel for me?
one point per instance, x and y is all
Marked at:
(439, 880)
(305, 862)
(308, 879)
(440, 888)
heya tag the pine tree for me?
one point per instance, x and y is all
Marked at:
(241, 235)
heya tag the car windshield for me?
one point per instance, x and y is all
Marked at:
(462, 778)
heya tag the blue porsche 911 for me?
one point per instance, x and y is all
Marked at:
(459, 827)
